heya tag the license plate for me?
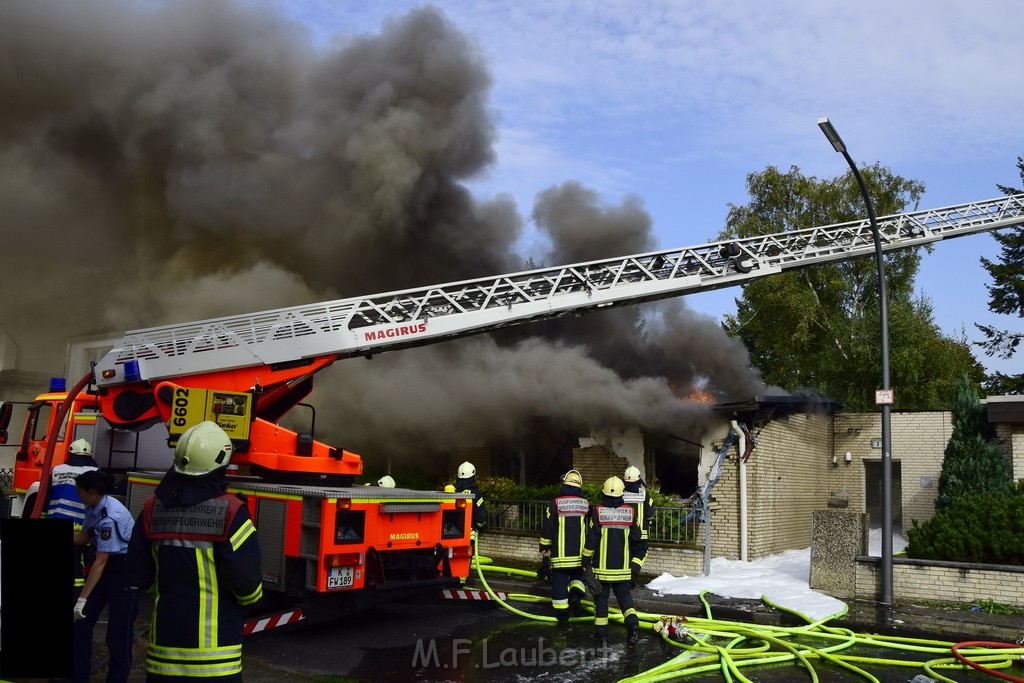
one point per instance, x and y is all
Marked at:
(340, 577)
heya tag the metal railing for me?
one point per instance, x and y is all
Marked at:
(6, 479)
(670, 525)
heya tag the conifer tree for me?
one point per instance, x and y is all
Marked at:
(1006, 297)
(973, 462)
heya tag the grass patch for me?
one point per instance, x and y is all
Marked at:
(985, 606)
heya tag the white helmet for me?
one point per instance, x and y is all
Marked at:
(202, 448)
(613, 487)
(573, 478)
(80, 447)
(466, 470)
(386, 481)
(632, 473)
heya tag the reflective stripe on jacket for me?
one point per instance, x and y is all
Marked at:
(201, 563)
(614, 542)
(564, 531)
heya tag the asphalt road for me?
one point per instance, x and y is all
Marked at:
(431, 639)
(451, 640)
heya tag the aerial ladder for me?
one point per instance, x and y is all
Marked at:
(276, 353)
(321, 535)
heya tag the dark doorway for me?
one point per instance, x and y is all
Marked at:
(873, 493)
(676, 462)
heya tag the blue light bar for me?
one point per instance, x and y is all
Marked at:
(131, 371)
(58, 384)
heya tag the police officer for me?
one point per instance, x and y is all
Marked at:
(617, 551)
(561, 546)
(195, 549)
(465, 482)
(107, 526)
(64, 502)
(637, 496)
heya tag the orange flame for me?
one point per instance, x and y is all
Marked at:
(701, 396)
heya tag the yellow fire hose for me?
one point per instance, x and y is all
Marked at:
(729, 647)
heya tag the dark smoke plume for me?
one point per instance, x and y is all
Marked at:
(197, 159)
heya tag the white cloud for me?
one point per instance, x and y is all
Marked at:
(677, 101)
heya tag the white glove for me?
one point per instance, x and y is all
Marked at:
(80, 609)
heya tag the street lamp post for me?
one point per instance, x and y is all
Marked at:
(837, 143)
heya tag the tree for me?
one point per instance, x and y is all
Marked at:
(819, 328)
(973, 463)
(1006, 297)
(984, 528)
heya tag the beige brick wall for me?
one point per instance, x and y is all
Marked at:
(918, 443)
(1011, 438)
(522, 547)
(790, 473)
(597, 463)
(788, 476)
(942, 582)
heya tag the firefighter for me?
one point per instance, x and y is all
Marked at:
(63, 501)
(387, 482)
(639, 498)
(617, 551)
(561, 547)
(196, 551)
(107, 526)
(466, 483)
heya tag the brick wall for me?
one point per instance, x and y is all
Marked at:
(791, 473)
(597, 463)
(521, 547)
(1011, 439)
(942, 581)
(788, 476)
(1017, 451)
(480, 456)
(919, 443)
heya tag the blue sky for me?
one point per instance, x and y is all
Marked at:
(676, 102)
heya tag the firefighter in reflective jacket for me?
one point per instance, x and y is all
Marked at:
(561, 547)
(617, 551)
(466, 483)
(64, 502)
(637, 496)
(195, 550)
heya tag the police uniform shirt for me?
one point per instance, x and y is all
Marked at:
(109, 525)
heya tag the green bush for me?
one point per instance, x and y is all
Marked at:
(980, 528)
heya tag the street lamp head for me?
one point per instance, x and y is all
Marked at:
(831, 134)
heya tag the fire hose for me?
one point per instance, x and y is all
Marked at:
(712, 645)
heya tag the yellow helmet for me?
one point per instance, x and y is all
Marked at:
(632, 473)
(201, 449)
(466, 470)
(613, 487)
(386, 481)
(573, 478)
(449, 488)
(80, 447)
